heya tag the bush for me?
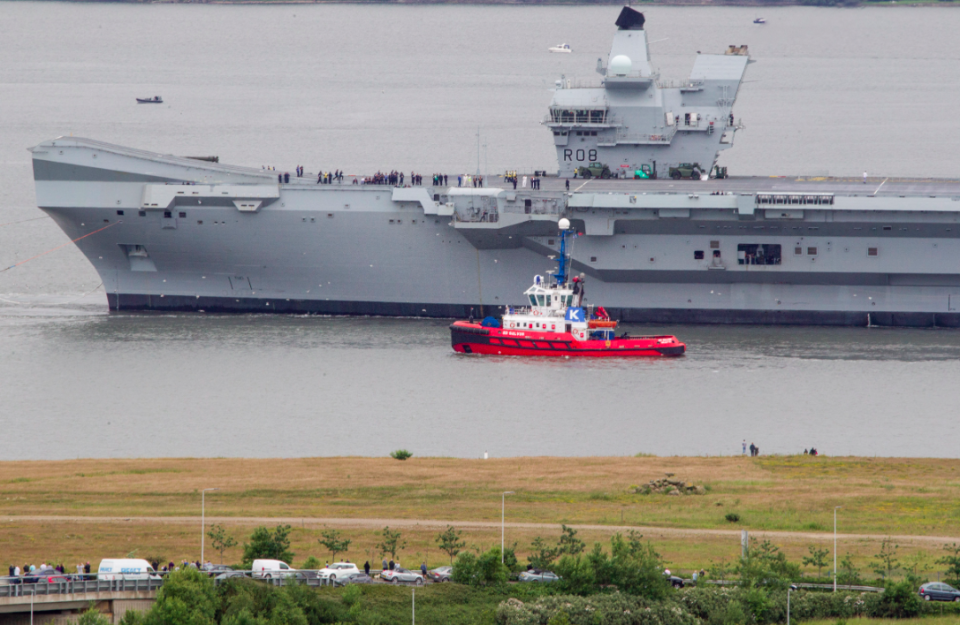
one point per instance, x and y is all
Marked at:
(482, 570)
(732, 517)
(767, 566)
(720, 606)
(401, 454)
(92, 617)
(312, 564)
(896, 601)
(352, 595)
(613, 609)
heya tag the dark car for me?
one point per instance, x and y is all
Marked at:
(213, 570)
(938, 591)
(440, 574)
(353, 578)
(231, 574)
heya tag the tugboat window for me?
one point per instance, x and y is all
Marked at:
(758, 254)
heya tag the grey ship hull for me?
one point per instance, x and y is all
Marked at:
(196, 236)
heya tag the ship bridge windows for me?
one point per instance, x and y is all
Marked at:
(784, 199)
(758, 254)
(578, 116)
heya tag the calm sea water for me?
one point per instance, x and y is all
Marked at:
(833, 91)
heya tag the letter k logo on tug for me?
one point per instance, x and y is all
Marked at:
(575, 314)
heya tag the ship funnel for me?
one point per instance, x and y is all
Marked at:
(630, 19)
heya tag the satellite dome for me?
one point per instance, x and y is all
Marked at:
(620, 65)
(564, 224)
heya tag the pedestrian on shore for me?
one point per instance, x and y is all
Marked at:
(864, 177)
(423, 568)
(744, 447)
(392, 565)
(366, 567)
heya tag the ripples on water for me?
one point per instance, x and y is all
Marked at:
(82, 383)
(363, 87)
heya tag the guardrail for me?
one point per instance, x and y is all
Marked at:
(88, 583)
(19, 587)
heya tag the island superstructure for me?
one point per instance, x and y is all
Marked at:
(168, 233)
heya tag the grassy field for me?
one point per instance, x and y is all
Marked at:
(795, 494)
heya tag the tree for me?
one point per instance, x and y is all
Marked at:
(332, 540)
(390, 543)
(765, 565)
(952, 562)
(220, 540)
(188, 597)
(542, 555)
(848, 574)
(633, 567)
(569, 543)
(817, 558)
(450, 543)
(886, 560)
(482, 570)
(269, 545)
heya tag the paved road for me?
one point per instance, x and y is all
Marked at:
(378, 523)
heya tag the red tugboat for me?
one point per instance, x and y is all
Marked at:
(556, 324)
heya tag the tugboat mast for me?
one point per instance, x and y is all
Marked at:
(564, 259)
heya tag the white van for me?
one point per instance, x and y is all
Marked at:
(125, 568)
(269, 569)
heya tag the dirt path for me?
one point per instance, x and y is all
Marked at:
(378, 523)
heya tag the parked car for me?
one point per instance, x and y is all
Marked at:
(213, 570)
(536, 575)
(398, 575)
(353, 578)
(270, 569)
(50, 575)
(938, 591)
(337, 569)
(231, 575)
(440, 574)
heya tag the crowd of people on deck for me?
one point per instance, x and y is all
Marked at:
(398, 179)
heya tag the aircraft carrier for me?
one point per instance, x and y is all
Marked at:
(665, 238)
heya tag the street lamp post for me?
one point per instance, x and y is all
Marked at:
(503, 511)
(789, 590)
(835, 547)
(203, 519)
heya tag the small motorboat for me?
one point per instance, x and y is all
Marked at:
(557, 324)
(154, 100)
(759, 20)
(561, 47)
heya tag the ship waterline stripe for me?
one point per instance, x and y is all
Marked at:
(124, 302)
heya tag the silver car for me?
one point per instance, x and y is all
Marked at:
(398, 575)
(534, 575)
